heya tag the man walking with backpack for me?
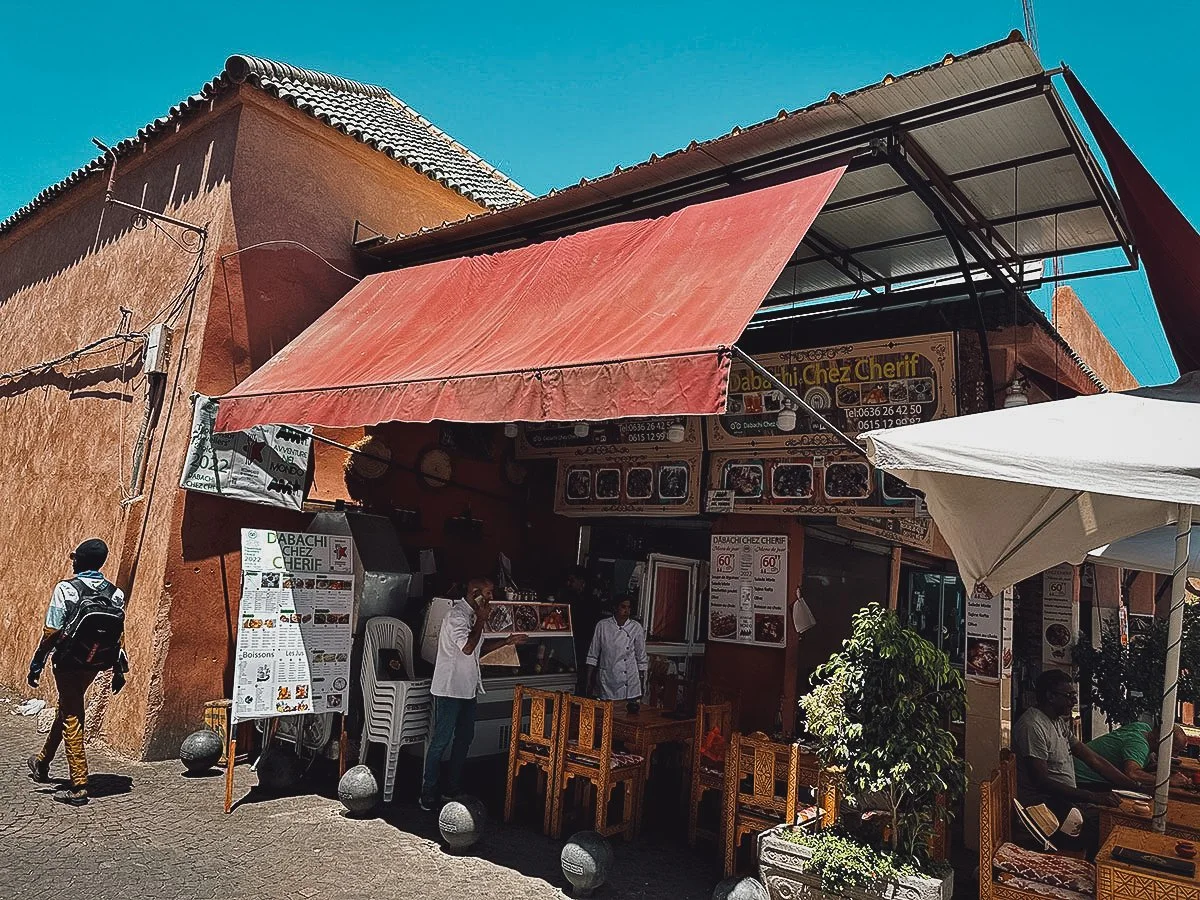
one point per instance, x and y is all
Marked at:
(84, 628)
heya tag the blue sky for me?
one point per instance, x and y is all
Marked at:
(553, 92)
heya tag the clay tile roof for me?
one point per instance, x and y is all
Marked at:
(368, 113)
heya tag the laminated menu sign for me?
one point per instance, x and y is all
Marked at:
(989, 634)
(1060, 616)
(748, 589)
(295, 624)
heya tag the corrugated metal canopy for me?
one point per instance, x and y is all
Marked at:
(987, 131)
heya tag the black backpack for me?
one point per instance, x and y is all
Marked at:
(91, 635)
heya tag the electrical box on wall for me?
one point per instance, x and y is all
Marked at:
(158, 349)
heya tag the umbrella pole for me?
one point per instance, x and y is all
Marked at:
(1179, 576)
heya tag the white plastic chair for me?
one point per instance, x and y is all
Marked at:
(384, 701)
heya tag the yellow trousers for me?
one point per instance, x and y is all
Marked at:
(68, 723)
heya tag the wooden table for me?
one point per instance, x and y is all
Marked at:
(1183, 820)
(1120, 881)
(642, 731)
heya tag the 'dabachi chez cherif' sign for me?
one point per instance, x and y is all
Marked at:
(858, 387)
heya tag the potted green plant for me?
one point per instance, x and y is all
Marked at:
(880, 713)
(1125, 678)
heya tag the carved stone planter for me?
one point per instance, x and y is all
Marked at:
(782, 867)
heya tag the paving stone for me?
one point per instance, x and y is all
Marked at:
(158, 835)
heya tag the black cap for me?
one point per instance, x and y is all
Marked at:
(91, 554)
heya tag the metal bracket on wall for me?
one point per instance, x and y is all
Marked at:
(143, 214)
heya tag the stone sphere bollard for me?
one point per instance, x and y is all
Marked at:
(587, 861)
(740, 887)
(200, 751)
(462, 822)
(278, 771)
(359, 791)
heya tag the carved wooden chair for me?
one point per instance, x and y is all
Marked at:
(586, 756)
(708, 774)
(762, 790)
(534, 744)
(995, 832)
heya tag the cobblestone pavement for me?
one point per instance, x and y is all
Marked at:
(151, 832)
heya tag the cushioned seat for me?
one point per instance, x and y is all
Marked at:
(1039, 889)
(1049, 869)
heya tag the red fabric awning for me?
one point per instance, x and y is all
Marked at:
(618, 321)
(1166, 241)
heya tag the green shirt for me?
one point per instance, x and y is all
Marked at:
(1129, 742)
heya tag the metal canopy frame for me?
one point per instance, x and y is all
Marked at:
(857, 257)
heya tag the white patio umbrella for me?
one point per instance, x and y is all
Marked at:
(1017, 491)
(1150, 551)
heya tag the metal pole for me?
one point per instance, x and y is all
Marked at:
(1179, 577)
(796, 398)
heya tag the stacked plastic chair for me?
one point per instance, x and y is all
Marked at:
(395, 713)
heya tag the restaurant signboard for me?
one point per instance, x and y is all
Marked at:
(911, 531)
(803, 483)
(672, 435)
(629, 486)
(858, 387)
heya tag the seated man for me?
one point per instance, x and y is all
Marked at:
(1132, 748)
(1044, 745)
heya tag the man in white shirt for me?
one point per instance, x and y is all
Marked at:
(618, 656)
(457, 681)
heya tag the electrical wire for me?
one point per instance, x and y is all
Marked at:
(241, 250)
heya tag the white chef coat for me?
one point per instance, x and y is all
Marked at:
(457, 674)
(619, 652)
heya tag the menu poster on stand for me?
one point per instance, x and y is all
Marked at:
(876, 384)
(1060, 616)
(798, 483)
(617, 437)
(748, 589)
(295, 624)
(630, 486)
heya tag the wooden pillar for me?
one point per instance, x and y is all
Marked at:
(894, 581)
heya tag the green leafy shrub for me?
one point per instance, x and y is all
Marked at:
(880, 710)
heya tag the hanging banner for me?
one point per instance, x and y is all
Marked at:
(267, 464)
(1006, 634)
(295, 624)
(629, 486)
(747, 596)
(1060, 616)
(798, 483)
(673, 435)
(874, 384)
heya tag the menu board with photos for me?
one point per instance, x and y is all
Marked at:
(295, 624)
(617, 437)
(858, 387)
(533, 619)
(747, 598)
(799, 483)
(637, 485)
